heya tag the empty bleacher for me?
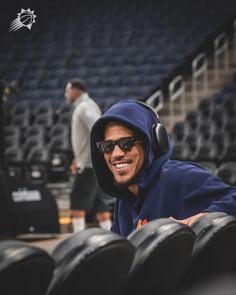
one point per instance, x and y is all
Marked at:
(208, 134)
(148, 50)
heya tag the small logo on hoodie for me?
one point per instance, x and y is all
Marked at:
(141, 223)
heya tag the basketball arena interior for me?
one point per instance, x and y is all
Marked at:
(179, 57)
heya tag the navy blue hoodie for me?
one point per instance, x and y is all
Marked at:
(166, 187)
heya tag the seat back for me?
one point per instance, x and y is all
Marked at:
(95, 261)
(214, 248)
(24, 269)
(180, 151)
(163, 249)
(227, 172)
(225, 285)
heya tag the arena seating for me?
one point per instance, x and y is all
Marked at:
(161, 257)
(163, 250)
(46, 133)
(208, 134)
(222, 285)
(210, 256)
(116, 58)
(24, 269)
(90, 262)
(121, 50)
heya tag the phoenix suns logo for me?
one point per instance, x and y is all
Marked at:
(141, 223)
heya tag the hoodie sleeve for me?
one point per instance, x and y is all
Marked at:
(203, 192)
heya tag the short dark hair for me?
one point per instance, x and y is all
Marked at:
(78, 83)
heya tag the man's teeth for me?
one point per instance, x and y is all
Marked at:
(121, 165)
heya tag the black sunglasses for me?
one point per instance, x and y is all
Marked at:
(124, 143)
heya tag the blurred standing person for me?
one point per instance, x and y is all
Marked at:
(85, 194)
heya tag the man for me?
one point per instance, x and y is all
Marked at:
(85, 195)
(130, 154)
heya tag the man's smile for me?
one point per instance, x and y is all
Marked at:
(121, 165)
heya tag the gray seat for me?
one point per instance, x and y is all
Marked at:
(163, 249)
(214, 248)
(94, 261)
(24, 269)
(227, 172)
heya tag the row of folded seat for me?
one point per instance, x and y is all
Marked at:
(123, 47)
(195, 148)
(46, 112)
(208, 134)
(162, 257)
(40, 163)
(37, 139)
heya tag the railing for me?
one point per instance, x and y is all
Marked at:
(177, 90)
(221, 45)
(199, 68)
(156, 100)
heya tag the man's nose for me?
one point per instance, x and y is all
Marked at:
(117, 152)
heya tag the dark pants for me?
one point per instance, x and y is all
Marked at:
(86, 195)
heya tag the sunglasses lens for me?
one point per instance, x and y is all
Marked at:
(126, 144)
(106, 146)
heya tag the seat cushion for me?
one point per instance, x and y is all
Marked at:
(214, 248)
(95, 261)
(163, 249)
(24, 269)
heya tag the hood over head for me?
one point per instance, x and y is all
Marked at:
(135, 116)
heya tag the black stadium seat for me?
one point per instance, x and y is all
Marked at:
(180, 131)
(95, 261)
(60, 143)
(34, 130)
(13, 131)
(219, 117)
(209, 166)
(221, 139)
(24, 269)
(229, 154)
(37, 164)
(59, 129)
(22, 108)
(229, 105)
(180, 151)
(44, 107)
(194, 141)
(163, 249)
(227, 172)
(20, 120)
(206, 128)
(44, 119)
(223, 285)
(32, 141)
(10, 141)
(59, 166)
(193, 119)
(230, 127)
(214, 248)
(14, 160)
(207, 152)
(206, 108)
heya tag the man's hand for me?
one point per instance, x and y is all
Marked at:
(189, 221)
(73, 167)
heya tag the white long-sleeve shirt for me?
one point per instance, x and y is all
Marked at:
(85, 114)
